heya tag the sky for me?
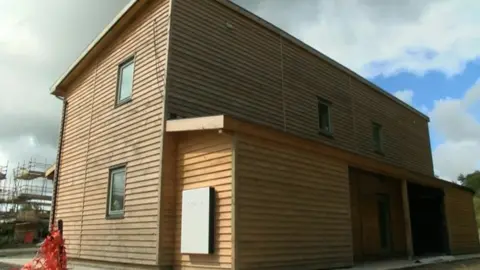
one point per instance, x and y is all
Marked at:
(425, 52)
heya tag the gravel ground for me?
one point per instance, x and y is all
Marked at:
(473, 264)
(4, 266)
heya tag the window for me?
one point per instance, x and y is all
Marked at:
(125, 81)
(116, 191)
(324, 122)
(377, 138)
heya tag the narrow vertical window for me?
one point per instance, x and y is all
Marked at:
(324, 118)
(125, 81)
(116, 192)
(377, 137)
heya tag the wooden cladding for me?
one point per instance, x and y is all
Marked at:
(99, 135)
(461, 222)
(292, 208)
(222, 62)
(205, 160)
(279, 205)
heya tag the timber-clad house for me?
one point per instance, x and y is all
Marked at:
(196, 135)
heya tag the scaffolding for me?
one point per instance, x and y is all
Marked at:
(26, 194)
(31, 185)
(3, 172)
(4, 191)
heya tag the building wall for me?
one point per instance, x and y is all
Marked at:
(364, 187)
(168, 203)
(99, 135)
(222, 62)
(205, 160)
(462, 225)
(292, 208)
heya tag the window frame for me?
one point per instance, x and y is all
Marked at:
(120, 67)
(377, 147)
(328, 104)
(112, 170)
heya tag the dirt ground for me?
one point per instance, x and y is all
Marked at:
(464, 265)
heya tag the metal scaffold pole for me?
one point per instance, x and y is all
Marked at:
(25, 200)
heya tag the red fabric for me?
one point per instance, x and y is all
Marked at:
(51, 255)
(28, 238)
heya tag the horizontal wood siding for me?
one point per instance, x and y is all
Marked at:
(292, 208)
(405, 134)
(461, 222)
(225, 63)
(205, 160)
(99, 135)
(71, 176)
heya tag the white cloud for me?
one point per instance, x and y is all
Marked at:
(405, 95)
(453, 158)
(383, 37)
(452, 119)
(472, 96)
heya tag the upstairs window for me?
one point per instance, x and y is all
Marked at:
(377, 137)
(116, 192)
(324, 118)
(125, 81)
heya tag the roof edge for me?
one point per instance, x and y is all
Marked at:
(317, 53)
(196, 124)
(54, 89)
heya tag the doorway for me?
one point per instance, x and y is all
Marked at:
(384, 220)
(378, 226)
(428, 223)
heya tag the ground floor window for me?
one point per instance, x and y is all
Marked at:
(116, 191)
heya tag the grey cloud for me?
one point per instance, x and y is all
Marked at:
(377, 37)
(44, 128)
(51, 35)
(286, 14)
(292, 14)
(394, 11)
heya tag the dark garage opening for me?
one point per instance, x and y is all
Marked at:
(427, 217)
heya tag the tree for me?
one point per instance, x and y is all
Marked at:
(461, 179)
(471, 180)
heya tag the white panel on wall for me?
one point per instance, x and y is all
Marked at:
(198, 217)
